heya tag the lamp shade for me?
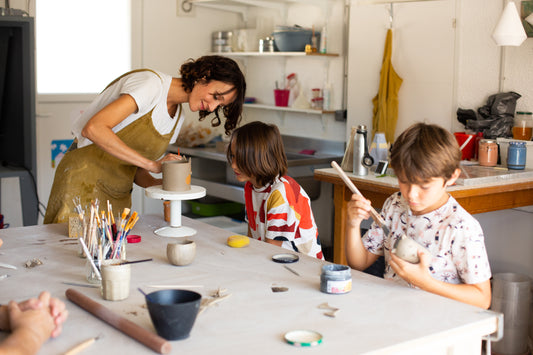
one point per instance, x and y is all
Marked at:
(509, 30)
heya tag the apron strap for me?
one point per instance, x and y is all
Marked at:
(128, 73)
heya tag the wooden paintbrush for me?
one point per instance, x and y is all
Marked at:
(375, 215)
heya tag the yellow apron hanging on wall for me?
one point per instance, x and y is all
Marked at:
(385, 113)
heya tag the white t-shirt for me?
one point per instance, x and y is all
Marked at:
(454, 238)
(149, 91)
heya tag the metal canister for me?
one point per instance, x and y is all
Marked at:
(516, 155)
(359, 150)
(221, 41)
(266, 45)
(488, 152)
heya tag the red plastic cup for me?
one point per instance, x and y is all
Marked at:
(468, 150)
(281, 97)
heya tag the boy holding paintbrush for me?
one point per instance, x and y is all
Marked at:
(425, 158)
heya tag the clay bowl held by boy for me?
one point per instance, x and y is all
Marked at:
(407, 249)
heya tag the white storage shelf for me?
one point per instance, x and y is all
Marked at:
(290, 109)
(281, 54)
(275, 54)
(242, 6)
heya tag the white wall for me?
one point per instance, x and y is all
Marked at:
(442, 68)
(422, 55)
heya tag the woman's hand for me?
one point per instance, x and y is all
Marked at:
(55, 307)
(36, 324)
(168, 157)
(415, 274)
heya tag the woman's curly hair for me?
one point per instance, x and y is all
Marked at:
(219, 68)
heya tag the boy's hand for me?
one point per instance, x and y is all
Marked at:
(358, 209)
(416, 274)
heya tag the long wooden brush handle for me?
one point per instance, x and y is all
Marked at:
(151, 340)
(375, 215)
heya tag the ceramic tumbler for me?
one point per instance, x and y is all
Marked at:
(115, 280)
(177, 175)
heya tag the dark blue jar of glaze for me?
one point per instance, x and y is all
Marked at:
(336, 279)
(516, 155)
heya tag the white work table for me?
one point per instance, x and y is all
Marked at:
(376, 317)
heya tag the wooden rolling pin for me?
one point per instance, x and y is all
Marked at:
(151, 340)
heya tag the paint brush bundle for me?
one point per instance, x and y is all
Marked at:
(101, 239)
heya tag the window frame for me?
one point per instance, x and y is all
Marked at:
(136, 59)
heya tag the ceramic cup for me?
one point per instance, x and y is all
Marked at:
(407, 249)
(181, 252)
(115, 280)
(177, 175)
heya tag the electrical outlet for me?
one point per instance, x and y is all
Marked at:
(185, 8)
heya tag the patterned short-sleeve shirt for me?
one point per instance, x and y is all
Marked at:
(454, 238)
(282, 211)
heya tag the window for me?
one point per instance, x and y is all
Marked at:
(81, 45)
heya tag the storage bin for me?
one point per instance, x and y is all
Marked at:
(210, 209)
(510, 296)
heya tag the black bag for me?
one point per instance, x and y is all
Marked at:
(495, 119)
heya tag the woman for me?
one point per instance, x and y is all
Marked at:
(123, 134)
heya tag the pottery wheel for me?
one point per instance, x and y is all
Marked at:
(175, 229)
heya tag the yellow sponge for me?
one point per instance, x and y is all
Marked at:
(238, 241)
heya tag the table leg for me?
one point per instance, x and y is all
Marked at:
(341, 195)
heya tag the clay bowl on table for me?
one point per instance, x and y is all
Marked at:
(173, 312)
(181, 252)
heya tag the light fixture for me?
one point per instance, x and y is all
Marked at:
(509, 30)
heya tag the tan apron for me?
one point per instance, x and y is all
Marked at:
(90, 173)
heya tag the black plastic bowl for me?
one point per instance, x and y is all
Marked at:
(173, 312)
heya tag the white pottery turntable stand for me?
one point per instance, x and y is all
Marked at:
(175, 229)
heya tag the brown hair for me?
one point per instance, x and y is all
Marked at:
(425, 151)
(259, 151)
(219, 68)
